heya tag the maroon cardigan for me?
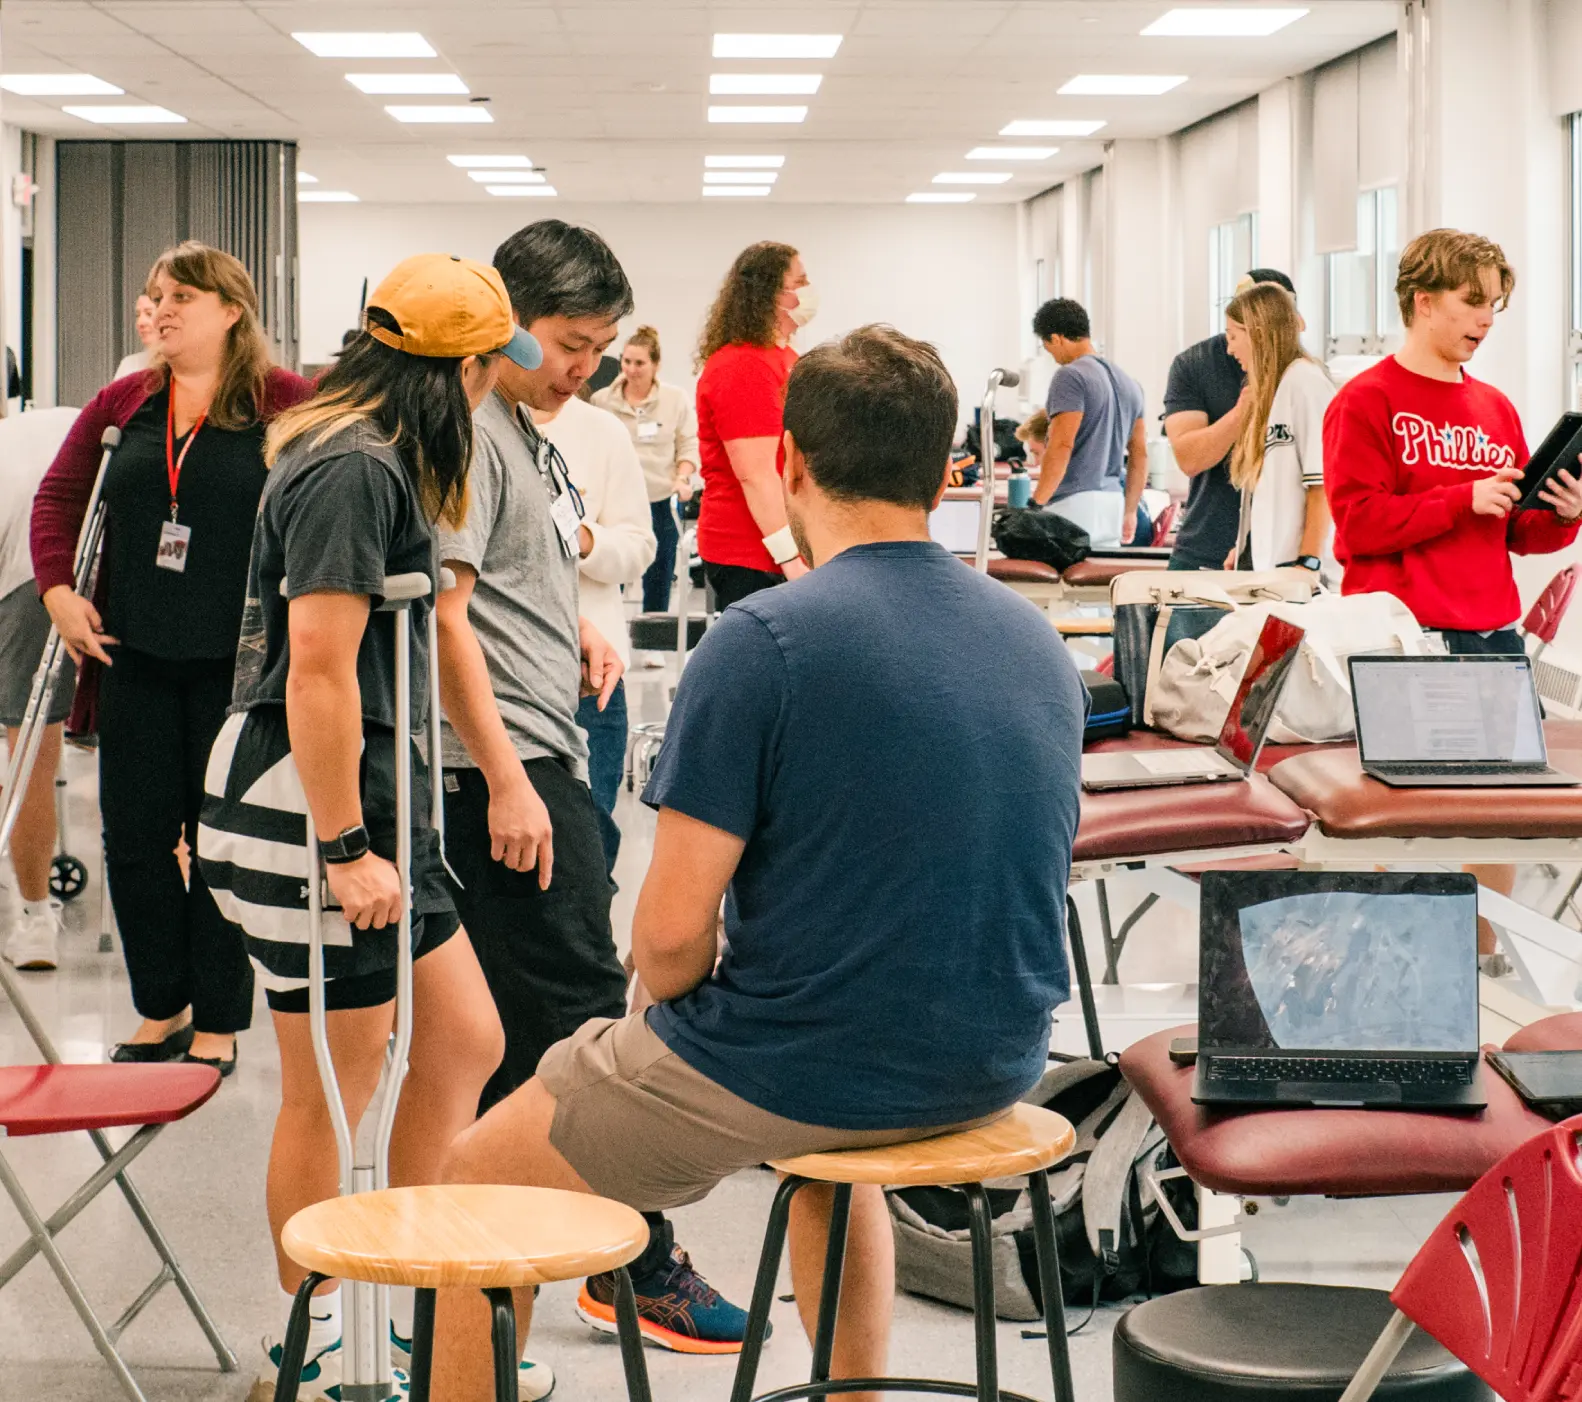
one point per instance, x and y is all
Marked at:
(62, 498)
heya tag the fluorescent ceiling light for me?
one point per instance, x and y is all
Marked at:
(472, 112)
(490, 162)
(125, 116)
(1252, 23)
(740, 177)
(941, 197)
(972, 177)
(541, 191)
(757, 114)
(1040, 128)
(1122, 84)
(508, 177)
(58, 85)
(303, 178)
(776, 45)
(735, 189)
(366, 44)
(764, 84)
(743, 162)
(326, 197)
(1011, 153)
(429, 83)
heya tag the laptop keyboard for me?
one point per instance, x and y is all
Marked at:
(1453, 769)
(1410, 1071)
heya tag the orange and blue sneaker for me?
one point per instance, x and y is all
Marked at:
(676, 1308)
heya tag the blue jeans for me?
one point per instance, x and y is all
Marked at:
(657, 578)
(606, 732)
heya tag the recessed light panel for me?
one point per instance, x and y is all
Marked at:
(58, 85)
(1122, 84)
(1012, 153)
(366, 44)
(326, 197)
(1057, 128)
(764, 84)
(728, 190)
(776, 45)
(1251, 23)
(757, 114)
(508, 177)
(536, 191)
(740, 177)
(490, 162)
(972, 177)
(432, 84)
(132, 116)
(940, 197)
(743, 162)
(303, 178)
(472, 112)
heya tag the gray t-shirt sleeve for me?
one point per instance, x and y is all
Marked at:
(1183, 389)
(468, 543)
(1069, 391)
(338, 522)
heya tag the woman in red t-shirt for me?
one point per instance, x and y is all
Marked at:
(745, 358)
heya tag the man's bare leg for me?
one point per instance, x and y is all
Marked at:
(867, 1290)
(33, 837)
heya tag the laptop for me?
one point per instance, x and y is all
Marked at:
(1240, 738)
(1451, 722)
(1354, 989)
(955, 524)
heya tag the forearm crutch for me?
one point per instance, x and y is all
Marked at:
(366, 1307)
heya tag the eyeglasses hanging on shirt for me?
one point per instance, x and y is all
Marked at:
(175, 540)
(565, 501)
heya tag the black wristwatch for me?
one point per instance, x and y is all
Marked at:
(348, 847)
(1305, 562)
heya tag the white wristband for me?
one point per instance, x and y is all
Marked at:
(782, 546)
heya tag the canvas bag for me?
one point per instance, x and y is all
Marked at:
(1155, 609)
(1190, 695)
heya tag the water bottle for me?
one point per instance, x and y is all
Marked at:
(1019, 490)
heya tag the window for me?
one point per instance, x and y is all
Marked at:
(1363, 316)
(1574, 338)
(1232, 250)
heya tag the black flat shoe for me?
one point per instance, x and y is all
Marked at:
(173, 1048)
(223, 1064)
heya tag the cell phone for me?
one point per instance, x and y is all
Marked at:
(1183, 1051)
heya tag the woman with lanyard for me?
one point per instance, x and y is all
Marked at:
(664, 429)
(180, 495)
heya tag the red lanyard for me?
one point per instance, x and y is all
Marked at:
(173, 460)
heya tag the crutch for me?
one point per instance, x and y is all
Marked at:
(366, 1333)
(1010, 379)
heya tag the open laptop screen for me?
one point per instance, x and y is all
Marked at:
(1339, 961)
(954, 524)
(1441, 710)
(1252, 708)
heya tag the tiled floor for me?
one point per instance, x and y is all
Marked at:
(204, 1181)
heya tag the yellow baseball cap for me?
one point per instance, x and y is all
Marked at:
(450, 306)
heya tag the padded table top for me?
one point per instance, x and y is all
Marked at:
(1185, 817)
(1105, 569)
(1330, 784)
(1023, 571)
(1336, 1153)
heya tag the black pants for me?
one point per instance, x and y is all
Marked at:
(549, 956)
(734, 582)
(659, 576)
(157, 720)
(1504, 643)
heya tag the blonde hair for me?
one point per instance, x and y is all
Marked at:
(1445, 260)
(239, 396)
(648, 339)
(1034, 427)
(1268, 314)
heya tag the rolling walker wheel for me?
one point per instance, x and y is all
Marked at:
(68, 878)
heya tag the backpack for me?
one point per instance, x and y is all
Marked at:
(1025, 533)
(1109, 709)
(1112, 1244)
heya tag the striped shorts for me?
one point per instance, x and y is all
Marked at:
(252, 848)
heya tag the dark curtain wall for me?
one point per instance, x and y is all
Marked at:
(122, 203)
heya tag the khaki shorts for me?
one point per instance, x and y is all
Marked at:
(642, 1126)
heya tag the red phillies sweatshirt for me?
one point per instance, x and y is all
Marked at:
(1401, 455)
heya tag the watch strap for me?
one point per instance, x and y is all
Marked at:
(347, 846)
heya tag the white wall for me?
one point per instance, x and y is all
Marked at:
(947, 274)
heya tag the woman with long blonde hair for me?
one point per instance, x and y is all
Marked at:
(1278, 460)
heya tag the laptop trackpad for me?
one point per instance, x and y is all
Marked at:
(1329, 1093)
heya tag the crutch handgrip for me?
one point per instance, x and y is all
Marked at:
(403, 588)
(110, 439)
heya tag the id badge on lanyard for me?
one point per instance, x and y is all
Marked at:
(175, 540)
(565, 502)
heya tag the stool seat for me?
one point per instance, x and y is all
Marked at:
(1274, 1343)
(464, 1234)
(1027, 1138)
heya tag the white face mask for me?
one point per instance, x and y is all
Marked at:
(806, 305)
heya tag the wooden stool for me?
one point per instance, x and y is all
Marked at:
(465, 1235)
(1028, 1140)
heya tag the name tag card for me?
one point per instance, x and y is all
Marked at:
(174, 541)
(563, 512)
(647, 430)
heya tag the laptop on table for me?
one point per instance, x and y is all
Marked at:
(1354, 989)
(1240, 739)
(1451, 722)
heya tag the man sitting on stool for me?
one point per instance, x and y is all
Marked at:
(878, 766)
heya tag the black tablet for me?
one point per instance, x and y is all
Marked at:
(1558, 450)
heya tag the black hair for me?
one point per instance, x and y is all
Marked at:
(1273, 275)
(553, 268)
(1060, 316)
(874, 415)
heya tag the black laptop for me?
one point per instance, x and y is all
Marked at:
(1354, 989)
(1451, 722)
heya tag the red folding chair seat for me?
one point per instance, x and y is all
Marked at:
(54, 1099)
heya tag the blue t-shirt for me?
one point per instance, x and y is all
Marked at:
(898, 740)
(1109, 407)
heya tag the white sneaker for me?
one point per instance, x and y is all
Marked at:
(534, 1380)
(321, 1376)
(35, 938)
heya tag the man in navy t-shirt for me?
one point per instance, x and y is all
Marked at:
(876, 767)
